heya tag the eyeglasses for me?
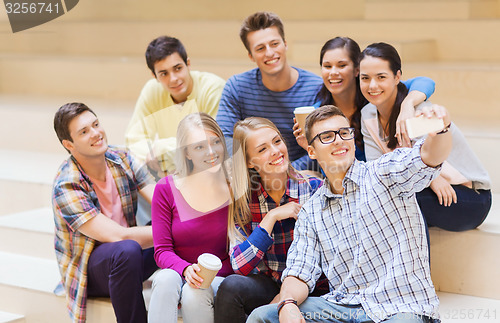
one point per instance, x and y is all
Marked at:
(329, 136)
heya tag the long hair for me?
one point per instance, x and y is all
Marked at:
(244, 179)
(326, 97)
(184, 166)
(389, 54)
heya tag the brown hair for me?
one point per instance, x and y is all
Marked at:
(320, 114)
(63, 117)
(257, 21)
(389, 54)
(360, 101)
(162, 47)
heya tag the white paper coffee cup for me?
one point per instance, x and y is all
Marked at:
(301, 114)
(210, 266)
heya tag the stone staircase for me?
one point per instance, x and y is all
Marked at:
(94, 54)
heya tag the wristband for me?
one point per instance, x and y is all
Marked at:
(445, 129)
(284, 302)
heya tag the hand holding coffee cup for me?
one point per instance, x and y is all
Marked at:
(209, 266)
(191, 276)
(301, 114)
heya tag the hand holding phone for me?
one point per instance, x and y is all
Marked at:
(422, 125)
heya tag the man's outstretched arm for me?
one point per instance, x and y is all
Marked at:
(437, 146)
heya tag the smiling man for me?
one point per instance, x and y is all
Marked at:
(100, 250)
(273, 89)
(175, 92)
(363, 229)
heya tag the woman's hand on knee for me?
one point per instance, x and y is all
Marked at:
(444, 191)
(191, 276)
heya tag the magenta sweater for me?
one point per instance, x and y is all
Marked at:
(181, 233)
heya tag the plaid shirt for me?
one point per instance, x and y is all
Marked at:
(371, 241)
(74, 202)
(262, 252)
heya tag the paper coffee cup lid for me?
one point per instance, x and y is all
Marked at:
(210, 261)
(303, 110)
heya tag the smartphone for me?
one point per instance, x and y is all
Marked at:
(421, 125)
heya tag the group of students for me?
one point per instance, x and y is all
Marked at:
(292, 213)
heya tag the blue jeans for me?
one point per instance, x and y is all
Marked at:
(239, 295)
(117, 270)
(318, 309)
(468, 213)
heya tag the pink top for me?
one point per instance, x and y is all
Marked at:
(181, 233)
(109, 198)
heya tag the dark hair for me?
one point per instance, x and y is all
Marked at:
(257, 21)
(63, 117)
(389, 54)
(325, 96)
(320, 114)
(162, 47)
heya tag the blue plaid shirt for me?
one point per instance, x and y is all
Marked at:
(370, 241)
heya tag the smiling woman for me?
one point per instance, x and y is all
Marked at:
(189, 217)
(268, 195)
(459, 198)
(339, 60)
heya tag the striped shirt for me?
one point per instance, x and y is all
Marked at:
(75, 202)
(246, 96)
(266, 253)
(370, 242)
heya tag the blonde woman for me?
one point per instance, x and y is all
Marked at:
(189, 217)
(268, 194)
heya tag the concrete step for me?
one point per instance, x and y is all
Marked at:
(466, 89)
(459, 86)
(448, 35)
(29, 233)
(467, 262)
(27, 284)
(222, 9)
(456, 308)
(431, 10)
(26, 177)
(92, 76)
(219, 39)
(11, 318)
(411, 50)
(36, 115)
(16, 196)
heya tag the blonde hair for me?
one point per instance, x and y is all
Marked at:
(245, 179)
(202, 120)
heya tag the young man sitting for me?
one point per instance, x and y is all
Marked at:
(363, 229)
(100, 250)
(173, 93)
